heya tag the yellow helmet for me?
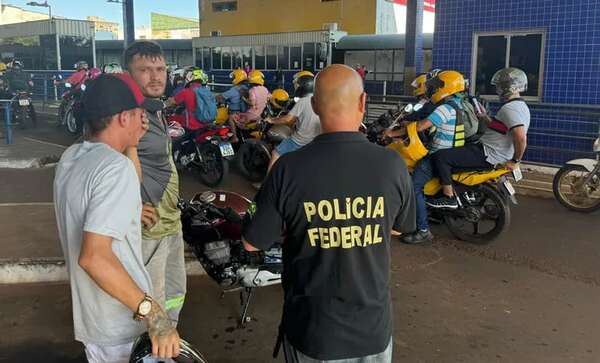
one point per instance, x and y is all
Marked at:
(302, 74)
(256, 77)
(419, 85)
(446, 83)
(279, 98)
(2, 67)
(238, 76)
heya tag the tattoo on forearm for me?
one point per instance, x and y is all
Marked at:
(158, 323)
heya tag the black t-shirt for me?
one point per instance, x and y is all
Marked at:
(335, 201)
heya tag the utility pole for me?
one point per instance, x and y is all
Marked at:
(128, 22)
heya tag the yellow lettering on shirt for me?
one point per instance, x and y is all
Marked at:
(325, 210)
(376, 236)
(334, 237)
(323, 235)
(310, 209)
(313, 236)
(346, 238)
(379, 207)
(367, 239)
(355, 233)
(356, 213)
(336, 208)
(367, 230)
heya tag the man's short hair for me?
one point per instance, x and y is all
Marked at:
(92, 128)
(142, 48)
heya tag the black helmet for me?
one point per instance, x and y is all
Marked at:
(304, 83)
(142, 348)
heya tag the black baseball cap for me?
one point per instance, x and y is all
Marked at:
(110, 94)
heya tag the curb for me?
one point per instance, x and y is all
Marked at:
(53, 269)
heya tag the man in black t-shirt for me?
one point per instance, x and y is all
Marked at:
(335, 202)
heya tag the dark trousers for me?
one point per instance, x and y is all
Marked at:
(468, 157)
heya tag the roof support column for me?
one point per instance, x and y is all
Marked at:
(413, 49)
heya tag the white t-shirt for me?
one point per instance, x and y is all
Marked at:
(308, 125)
(96, 189)
(498, 144)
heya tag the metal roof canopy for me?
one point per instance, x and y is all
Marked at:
(79, 28)
(317, 36)
(379, 41)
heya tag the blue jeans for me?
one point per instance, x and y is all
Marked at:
(287, 146)
(421, 175)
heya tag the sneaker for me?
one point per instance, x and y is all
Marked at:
(417, 237)
(443, 203)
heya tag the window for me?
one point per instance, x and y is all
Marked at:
(321, 56)
(283, 56)
(224, 6)
(247, 57)
(216, 58)
(309, 56)
(206, 65)
(236, 54)
(493, 52)
(259, 57)
(226, 58)
(295, 57)
(271, 57)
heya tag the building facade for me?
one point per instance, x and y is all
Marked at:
(554, 41)
(10, 14)
(237, 17)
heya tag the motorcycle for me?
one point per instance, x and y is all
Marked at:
(258, 141)
(22, 109)
(205, 151)
(577, 184)
(386, 121)
(212, 227)
(69, 107)
(483, 196)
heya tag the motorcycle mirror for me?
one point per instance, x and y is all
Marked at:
(409, 108)
(207, 197)
(417, 107)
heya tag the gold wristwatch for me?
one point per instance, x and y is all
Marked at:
(144, 308)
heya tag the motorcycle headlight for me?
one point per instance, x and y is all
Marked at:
(83, 87)
(597, 145)
(67, 85)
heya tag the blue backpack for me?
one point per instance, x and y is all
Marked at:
(206, 105)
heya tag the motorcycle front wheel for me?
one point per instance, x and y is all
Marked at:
(71, 123)
(252, 160)
(572, 191)
(485, 214)
(210, 166)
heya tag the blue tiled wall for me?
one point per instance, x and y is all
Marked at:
(571, 63)
(572, 55)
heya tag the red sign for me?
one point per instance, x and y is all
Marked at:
(428, 5)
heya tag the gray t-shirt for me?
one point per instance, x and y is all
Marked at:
(96, 189)
(308, 125)
(497, 141)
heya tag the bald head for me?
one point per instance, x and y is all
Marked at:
(339, 99)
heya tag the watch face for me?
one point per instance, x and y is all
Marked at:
(145, 307)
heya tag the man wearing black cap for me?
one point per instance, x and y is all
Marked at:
(98, 208)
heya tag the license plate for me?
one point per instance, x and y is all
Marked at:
(517, 174)
(509, 187)
(23, 102)
(226, 149)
